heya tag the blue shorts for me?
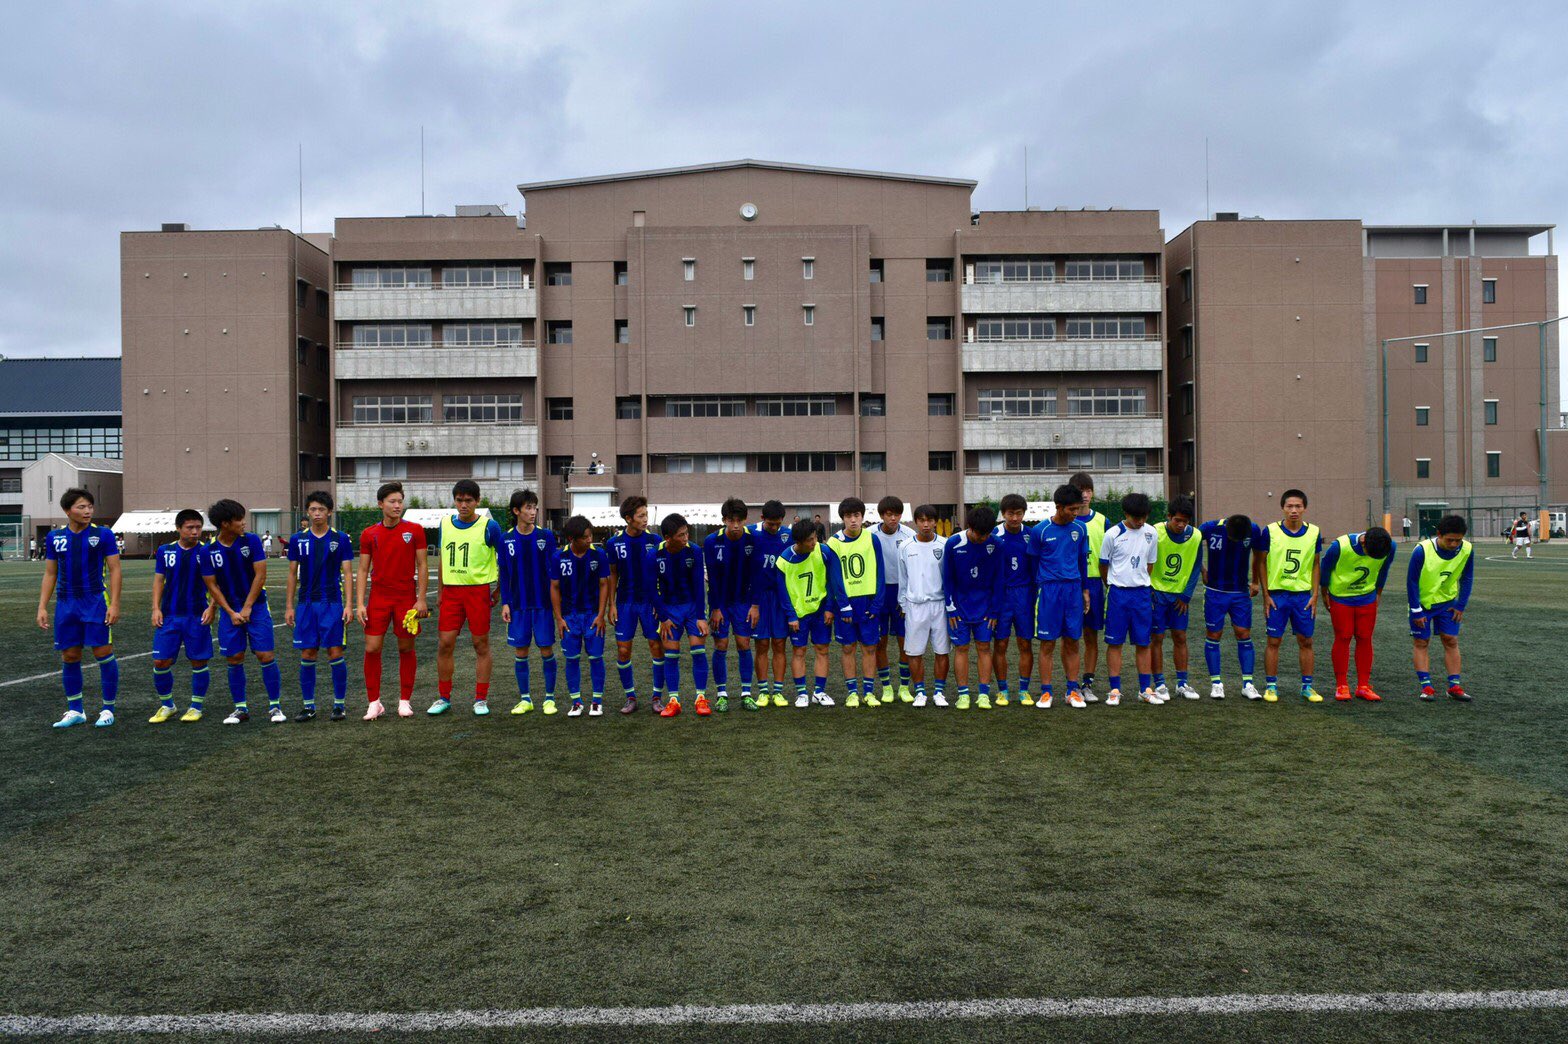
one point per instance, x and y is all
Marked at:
(188, 631)
(80, 621)
(891, 623)
(629, 616)
(1058, 611)
(770, 619)
(1017, 614)
(686, 619)
(1129, 614)
(735, 619)
(968, 631)
(1290, 606)
(256, 635)
(1217, 605)
(1437, 619)
(1166, 616)
(813, 630)
(1094, 619)
(531, 627)
(857, 628)
(318, 625)
(581, 637)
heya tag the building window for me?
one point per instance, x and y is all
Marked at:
(1107, 328)
(808, 314)
(1421, 353)
(558, 409)
(499, 468)
(558, 466)
(628, 464)
(321, 303)
(1423, 467)
(392, 409)
(749, 314)
(628, 407)
(1491, 411)
(690, 312)
(558, 331)
(1107, 402)
(689, 269)
(558, 273)
(1114, 269)
(1186, 341)
(1017, 402)
(748, 268)
(488, 276)
(1189, 457)
(940, 460)
(876, 270)
(992, 461)
(1186, 290)
(482, 335)
(1488, 291)
(873, 462)
(808, 268)
(705, 406)
(939, 405)
(379, 469)
(1489, 349)
(303, 411)
(939, 328)
(302, 351)
(873, 405)
(1420, 293)
(623, 331)
(878, 328)
(797, 406)
(1494, 464)
(620, 273)
(776, 462)
(939, 270)
(391, 335)
(301, 293)
(482, 409)
(1015, 270)
(390, 278)
(28, 444)
(1423, 416)
(1015, 328)
(706, 464)
(1186, 399)
(323, 414)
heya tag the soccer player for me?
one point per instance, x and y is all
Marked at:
(890, 533)
(1017, 610)
(1355, 567)
(730, 558)
(466, 568)
(1520, 530)
(972, 577)
(918, 566)
(857, 622)
(681, 603)
(1175, 577)
(1127, 557)
(771, 634)
(1290, 549)
(76, 557)
(1094, 619)
(528, 570)
(395, 569)
(1232, 577)
(1438, 583)
(181, 615)
(810, 583)
(234, 568)
(631, 580)
(580, 596)
(1061, 583)
(321, 562)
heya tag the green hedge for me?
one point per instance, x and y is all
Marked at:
(1109, 505)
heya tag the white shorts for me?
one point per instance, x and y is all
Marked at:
(925, 623)
(1521, 541)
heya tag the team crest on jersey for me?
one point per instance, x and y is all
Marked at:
(408, 538)
(539, 543)
(1075, 534)
(332, 545)
(92, 541)
(936, 552)
(593, 567)
(245, 552)
(990, 549)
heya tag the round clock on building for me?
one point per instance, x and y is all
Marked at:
(748, 211)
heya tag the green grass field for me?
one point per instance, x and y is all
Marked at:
(794, 856)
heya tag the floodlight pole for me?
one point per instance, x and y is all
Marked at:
(1545, 466)
(1387, 481)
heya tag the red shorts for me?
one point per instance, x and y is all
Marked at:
(468, 603)
(382, 613)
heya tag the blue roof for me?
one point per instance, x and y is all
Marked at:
(60, 387)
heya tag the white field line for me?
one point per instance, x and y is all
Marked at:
(786, 1014)
(88, 661)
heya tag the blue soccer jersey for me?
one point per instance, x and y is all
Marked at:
(233, 568)
(1060, 552)
(732, 567)
(320, 564)
(579, 577)
(1228, 562)
(679, 581)
(527, 565)
(184, 592)
(79, 559)
(1018, 565)
(973, 575)
(630, 558)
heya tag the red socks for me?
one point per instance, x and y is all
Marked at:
(481, 690)
(373, 676)
(407, 665)
(444, 689)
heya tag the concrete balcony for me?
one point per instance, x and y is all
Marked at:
(437, 440)
(983, 433)
(1086, 296)
(1062, 356)
(429, 363)
(994, 485)
(700, 435)
(434, 302)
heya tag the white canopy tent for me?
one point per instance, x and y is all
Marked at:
(427, 518)
(151, 523)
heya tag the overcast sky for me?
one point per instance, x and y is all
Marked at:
(119, 116)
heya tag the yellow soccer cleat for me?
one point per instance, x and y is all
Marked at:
(549, 706)
(853, 699)
(1312, 695)
(1001, 699)
(778, 700)
(904, 695)
(194, 714)
(162, 714)
(1271, 695)
(523, 706)
(1026, 699)
(872, 701)
(411, 621)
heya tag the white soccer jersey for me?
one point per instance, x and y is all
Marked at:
(890, 543)
(1129, 552)
(919, 571)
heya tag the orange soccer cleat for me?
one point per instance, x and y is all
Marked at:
(703, 709)
(672, 707)
(1365, 692)
(1342, 693)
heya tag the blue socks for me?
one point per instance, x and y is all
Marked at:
(272, 681)
(339, 681)
(307, 683)
(200, 681)
(574, 677)
(672, 673)
(903, 674)
(237, 684)
(658, 674)
(71, 679)
(1306, 681)
(747, 664)
(109, 672)
(721, 669)
(822, 683)
(1115, 681)
(596, 675)
(547, 659)
(163, 685)
(520, 672)
(1453, 681)
(1248, 657)
(1143, 682)
(1181, 679)
(1211, 658)
(628, 679)
(699, 669)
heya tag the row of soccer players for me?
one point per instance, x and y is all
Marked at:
(981, 588)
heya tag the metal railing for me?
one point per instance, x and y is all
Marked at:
(1036, 473)
(971, 338)
(527, 283)
(1146, 415)
(443, 345)
(349, 423)
(999, 279)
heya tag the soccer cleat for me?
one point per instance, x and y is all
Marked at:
(749, 703)
(549, 705)
(721, 695)
(920, 699)
(481, 707)
(630, 706)
(1455, 692)
(1162, 691)
(193, 714)
(1250, 691)
(1044, 702)
(441, 706)
(1427, 693)
(1342, 693)
(982, 702)
(1089, 696)
(852, 700)
(1187, 692)
(162, 714)
(1271, 694)
(657, 703)
(1311, 695)
(1217, 691)
(905, 695)
(1026, 699)
(672, 707)
(239, 717)
(939, 699)
(1001, 699)
(872, 701)
(963, 702)
(523, 705)
(802, 700)
(1367, 693)
(1114, 699)
(1076, 701)
(721, 703)
(778, 700)
(71, 718)
(276, 716)
(577, 709)
(702, 706)
(306, 714)
(822, 699)
(374, 711)
(339, 713)
(106, 717)
(405, 708)
(596, 707)
(1149, 696)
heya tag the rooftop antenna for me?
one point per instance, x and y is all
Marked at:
(421, 168)
(1026, 177)
(302, 188)
(1208, 213)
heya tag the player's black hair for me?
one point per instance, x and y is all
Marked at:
(1452, 524)
(1184, 507)
(851, 506)
(773, 509)
(803, 527)
(1377, 542)
(386, 489)
(575, 527)
(225, 510)
(1067, 495)
(673, 523)
(319, 496)
(630, 505)
(465, 488)
(926, 511)
(185, 515)
(890, 503)
(980, 519)
(1292, 493)
(734, 507)
(520, 497)
(1238, 528)
(1082, 481)
(69, 498)
(1136, 505)
(1014, 502)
